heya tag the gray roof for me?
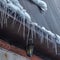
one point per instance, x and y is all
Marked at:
(50, 19)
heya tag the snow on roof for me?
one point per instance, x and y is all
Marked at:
(41, 4)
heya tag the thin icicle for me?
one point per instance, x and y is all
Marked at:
(58, 39)
(19, 28)
(2, 19)
(24, 28)
(44, 29)
(2, 6)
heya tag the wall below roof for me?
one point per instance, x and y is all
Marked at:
(9, 52)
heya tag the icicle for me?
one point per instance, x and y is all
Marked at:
(30, 46)
(27, 16)
(41, 4)
(58, 39)
(2, 19)
(49, 32)
(3, 2)
(16, 9)
(19, 28)
(34, 25)
(2, 5)
(24, 27)
(5, 20)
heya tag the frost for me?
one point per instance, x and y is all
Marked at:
(41, 4)
(16, 7)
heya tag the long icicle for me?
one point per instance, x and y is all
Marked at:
(2, 14)
(5, 21)
(14, 19)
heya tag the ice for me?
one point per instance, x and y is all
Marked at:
(58, 39)
(35, 24)
(41, 4)
(49, 32)
(4, 2)
(27, 16)
(44, 29)
(52, 34)
(15, 8)
(16, 2)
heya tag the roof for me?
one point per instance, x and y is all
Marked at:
(50, 19)
(14, 37)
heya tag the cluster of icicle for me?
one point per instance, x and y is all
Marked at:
(17, 8)
(54, 36)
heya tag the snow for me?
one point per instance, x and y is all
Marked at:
(35, 24)
(41, 4)
(44, 29)
(27, 16)
(20, 9)
(16, 2)
(49, 32)
(52, 34)
(4, 2)
(15, 8)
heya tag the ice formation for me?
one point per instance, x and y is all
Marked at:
(58, 39)
(15, 8)
(44, 29)
(16, 2)
(4, 2)
(35, 24)
(49, 32)
(52, 34)
(41, 4)
(27, 16)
